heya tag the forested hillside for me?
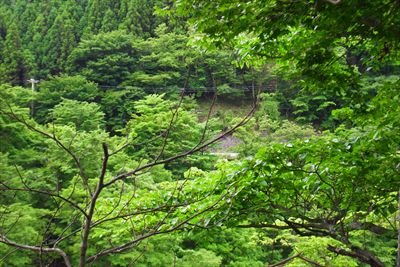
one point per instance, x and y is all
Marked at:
(200, 133)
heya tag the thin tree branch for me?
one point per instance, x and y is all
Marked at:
(207, 119)
(37, 249)
(171, 123)
(264, 225)
(12, 115)
(44, 193)
(130, 244)
(183, 154)
(298, 255)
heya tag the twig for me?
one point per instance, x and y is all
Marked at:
(48, 194)
(298, 255)
(12, 115)
(183, 154)
(171, 123)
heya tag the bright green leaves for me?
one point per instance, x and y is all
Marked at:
(51, 93)
(106, 59)
(267, 127)
(308, 23)
(85, 145)
(24, 225)
(335, 178)
(83, 116)
(314, 248)
(323, 50)
(171, 129)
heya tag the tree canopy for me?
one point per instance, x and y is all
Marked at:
(200, 133)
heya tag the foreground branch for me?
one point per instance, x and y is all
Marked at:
(6, 241)
(73, 204)
(156, 231)
(357, 253)
(75, 158)
(87, 226)
(298, 255)
(183, 154)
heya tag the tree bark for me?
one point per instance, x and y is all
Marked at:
(357, 253)
(87, 227)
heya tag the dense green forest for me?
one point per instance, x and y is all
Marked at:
(200, 133)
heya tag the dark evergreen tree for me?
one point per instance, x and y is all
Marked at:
(60, 40)
(138, 17)
(13, 68)
(99, 16)
(109, 22)
(39, 30)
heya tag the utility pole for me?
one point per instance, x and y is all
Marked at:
(33, 82)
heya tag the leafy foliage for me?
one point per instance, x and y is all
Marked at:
(106, 162)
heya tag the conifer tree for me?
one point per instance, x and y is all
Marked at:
(60, 40)
(138, 17)
(13, 68)
(98, 13)
(109, 22)
(39, 30)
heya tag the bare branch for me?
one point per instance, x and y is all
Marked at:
(37, 249)
(171, 123)
(156, 231)
(183, 154)
(12, 115)
(163, 208)
(76, 206)
(357, 253)
(61, 237)
(50, 221)
(298, 255)
(207, 119)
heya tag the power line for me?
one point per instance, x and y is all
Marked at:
(192, 89)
